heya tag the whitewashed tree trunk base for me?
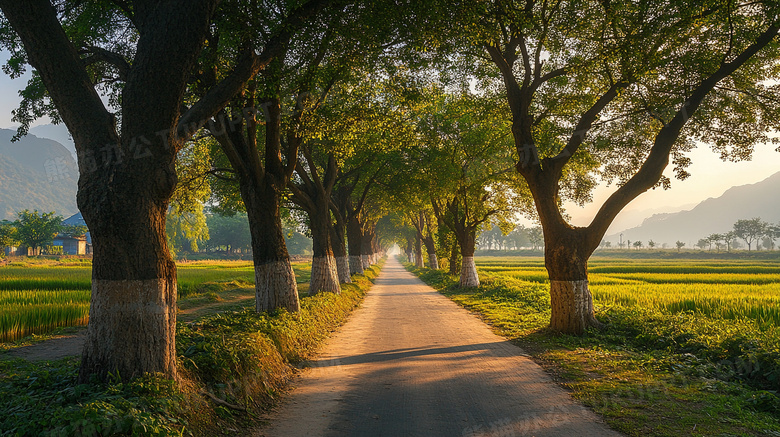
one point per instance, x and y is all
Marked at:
(433, 260)
(131, 328)
(572, 307)
(418, 261)
(468, 273)
(324, 276)
(366, 261)
(275, 287)
(356, 265)
(342, 266)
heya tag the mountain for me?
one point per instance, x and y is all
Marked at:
(56, 132)
(36, 173)
(714, 215)
(629, 218)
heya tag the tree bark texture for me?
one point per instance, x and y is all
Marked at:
(418, 257)
(275, 285)
(324, 270)
(337, 234)
(274, 281)
(128, 337)
(572, 307)
(454, 261)
(468, 273)
(566, 259)
(324, 275)
(354, 239)
(430, 247)
(433, 261)
(367, 248)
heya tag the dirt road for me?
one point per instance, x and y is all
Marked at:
(410, 362)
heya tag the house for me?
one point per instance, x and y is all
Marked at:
(72, 245)
(81, 245)
(78, 220)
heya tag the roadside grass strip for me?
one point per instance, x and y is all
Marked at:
(39, 298)
(232, 366)
(678, 358)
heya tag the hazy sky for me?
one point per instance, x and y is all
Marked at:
(710, 176)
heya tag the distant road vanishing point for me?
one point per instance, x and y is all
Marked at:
(410, 362)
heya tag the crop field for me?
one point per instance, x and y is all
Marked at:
(36, 299)
(748, 290)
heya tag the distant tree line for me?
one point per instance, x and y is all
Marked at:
(520, 237)
(224, 233)
(755, 233)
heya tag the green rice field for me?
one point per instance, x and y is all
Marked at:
(36, 299)
(746, 290)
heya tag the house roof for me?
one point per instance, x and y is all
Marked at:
(64, 237)
(75, 219)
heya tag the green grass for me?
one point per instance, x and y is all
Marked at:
(240, 357)
(27, 312)
(741, 290)
(39, 296)
(694, 358)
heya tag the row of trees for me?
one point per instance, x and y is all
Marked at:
(752, 231)
(619, 106)
(519, 237)
(35, 230)
(372, 121)
(191, 234)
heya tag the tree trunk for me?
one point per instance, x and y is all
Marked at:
(324, 271)
(355, 238)
(433, 261)
(468, 271)
(377, 249)
(570, 299)
(132, 323)
(418, 258)
(454, 260)
(340, 253)
(366, 249)
(275, 284)
(430, 247)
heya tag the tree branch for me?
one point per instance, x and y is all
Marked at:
(652, 169)
(99, 54)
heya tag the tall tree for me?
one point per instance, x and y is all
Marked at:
(36, 230)
(750, 230)
(313, 195)
(466, 167)
(8, 236)
(262, 154)
(146, 53)
(618, 89)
